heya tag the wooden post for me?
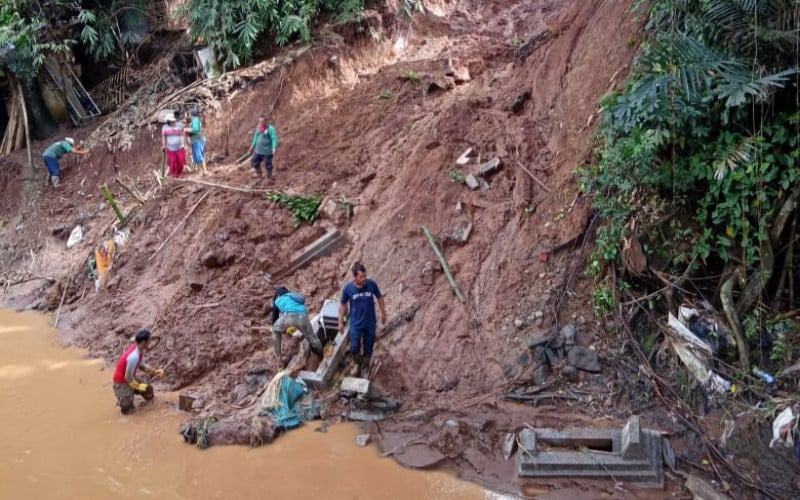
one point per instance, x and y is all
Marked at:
(443, 262)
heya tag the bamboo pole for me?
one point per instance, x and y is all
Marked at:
(443, 262)
(63, 296)
(222, 186)
(27, 127)
(113, 203)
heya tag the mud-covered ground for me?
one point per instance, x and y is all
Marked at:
(449, 82)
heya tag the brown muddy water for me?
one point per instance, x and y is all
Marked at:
(61, 437)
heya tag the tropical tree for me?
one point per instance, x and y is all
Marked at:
(232, 27)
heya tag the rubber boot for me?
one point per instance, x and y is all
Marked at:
(269, 174)
(54, 180)
(355, 370)
(364, 367)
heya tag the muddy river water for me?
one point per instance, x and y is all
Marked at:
(61, 436)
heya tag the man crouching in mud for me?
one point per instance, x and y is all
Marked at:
(125, 382)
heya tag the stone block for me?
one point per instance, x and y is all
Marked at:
(362, 440)
(327, 367)
(527, 441)
(487, 168)
(464, 158)
(632, 439)
(326, 243)
(472, 182)
(354, 384)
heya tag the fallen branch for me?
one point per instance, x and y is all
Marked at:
(205, 306)
(185, 218)
(222, 186)
(443, 262)
(46, 278)
(536, 179)
(133, 192)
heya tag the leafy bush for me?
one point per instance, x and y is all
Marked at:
(232, 27)
(698, 129)
(304, 209)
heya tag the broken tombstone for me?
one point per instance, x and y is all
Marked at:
(489, 167)
(472, 182)
(509, 445)
(464, 158)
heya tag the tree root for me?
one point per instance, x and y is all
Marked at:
(726, 296)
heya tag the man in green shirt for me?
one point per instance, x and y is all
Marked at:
(54, 153)
(264, 145)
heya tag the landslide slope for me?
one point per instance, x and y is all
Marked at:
(346, 111)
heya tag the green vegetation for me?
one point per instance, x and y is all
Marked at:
(410, 75)
(700, 151)
(457, 177)
(385, 95)
(232, 27)
(409, 7)
(304, 209)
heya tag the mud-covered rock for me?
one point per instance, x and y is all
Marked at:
(584, 359)
(569, 373)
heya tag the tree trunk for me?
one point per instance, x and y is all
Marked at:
(41, 123)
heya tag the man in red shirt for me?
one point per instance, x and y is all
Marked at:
(125, 382)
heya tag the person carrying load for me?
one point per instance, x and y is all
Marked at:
(289, 310)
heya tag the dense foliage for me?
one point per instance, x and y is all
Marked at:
(701, 149)
(232, 27)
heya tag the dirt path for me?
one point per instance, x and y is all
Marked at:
(557, 57)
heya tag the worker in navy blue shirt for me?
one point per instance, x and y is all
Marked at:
(358, 298)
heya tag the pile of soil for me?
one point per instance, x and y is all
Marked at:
(381, 124)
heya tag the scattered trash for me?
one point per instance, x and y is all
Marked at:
(122, 237)
(75, 236)
(694, 352)
(783, 428)
(766, 377)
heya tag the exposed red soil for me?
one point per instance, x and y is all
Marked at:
(334, 129)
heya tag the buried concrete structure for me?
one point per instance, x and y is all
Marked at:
(629, 454)
(326, 326)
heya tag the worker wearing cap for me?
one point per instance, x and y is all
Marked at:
(289, 310)
(264, 146)
(126, 385)
(172, 141)
(54, 153)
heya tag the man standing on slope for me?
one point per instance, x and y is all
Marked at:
(359, 297)
(125, 382)
(197, 140)
(289, 310)
(54, 153)
(172, 141)
(264, 146)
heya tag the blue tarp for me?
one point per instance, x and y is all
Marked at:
(295, 406)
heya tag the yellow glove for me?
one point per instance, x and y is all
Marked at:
(291, 330)
(139, 386)
(158, 373)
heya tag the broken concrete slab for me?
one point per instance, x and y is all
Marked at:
(584, 359)
(472, 182)
(358, 385)
(367, 415)
(464, 158)
(362, 440)
(487, 168)
(324, 244)
(593, 460)
(703, 490)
